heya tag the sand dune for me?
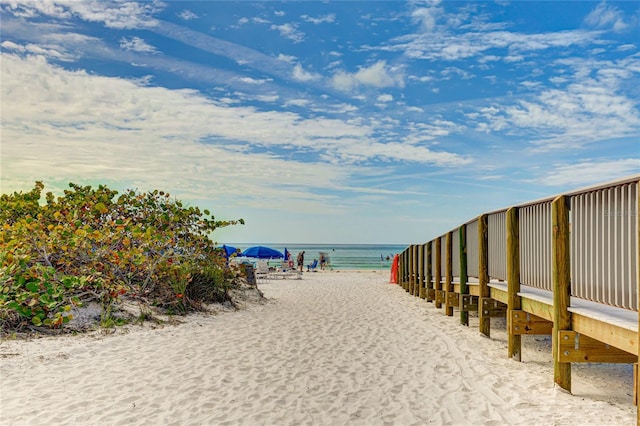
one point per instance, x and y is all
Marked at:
(334, 348)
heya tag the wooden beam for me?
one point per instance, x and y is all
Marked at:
(464, 289)
(453, 300)
(521, 322)
(561, 286)
(448, 285)
(430, 295)
(499, 295)
(437, 276)
(537, 308)
(621, 338)
(468, 303)
(412, 268)
(492, 308)
(513, 280)
(484, 324)
(422, 268)
(575, 347)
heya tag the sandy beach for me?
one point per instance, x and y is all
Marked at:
(334, 348)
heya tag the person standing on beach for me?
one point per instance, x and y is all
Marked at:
(300, 260)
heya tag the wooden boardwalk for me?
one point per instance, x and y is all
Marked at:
(565, 266)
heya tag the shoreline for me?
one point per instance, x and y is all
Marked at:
(336, 347)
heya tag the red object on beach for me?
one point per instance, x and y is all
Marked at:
(394, 270)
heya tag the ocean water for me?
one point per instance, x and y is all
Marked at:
(341, 256)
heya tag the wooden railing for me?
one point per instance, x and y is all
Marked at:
(566, 265)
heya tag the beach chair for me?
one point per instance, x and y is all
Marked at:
(313, 267)
(286, 271)
(262, 270)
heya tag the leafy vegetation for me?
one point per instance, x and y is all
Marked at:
(95, 245)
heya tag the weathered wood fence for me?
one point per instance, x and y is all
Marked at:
(565, 266)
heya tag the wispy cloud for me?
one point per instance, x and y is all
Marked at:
(289, 31)
(590, 172)
(188, 15)
(301, 75)
(136, 44)
(117, 15)
(587, 110)
(606, 16)
(325, 19)
(378, 75)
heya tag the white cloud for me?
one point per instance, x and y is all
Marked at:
(590, 172)
(592, 107)
(378, 75)
(301, 75)
(136, 44)
(427, 17)
(606, 16)
(385, 98)
(49, 51)
(255, 81)
(460, 45)
(325, 19)
(118, 15)
(76, 126)
(188, 15)
(289, 31)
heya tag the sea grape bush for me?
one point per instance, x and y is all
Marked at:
(93, 244)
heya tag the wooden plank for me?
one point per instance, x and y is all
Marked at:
(522, 322)
(452, 300)
(492, 308)
(499, 295)
(561, 282)
(575, 347)
(474, 290)
(513, 281)
(468, 303)
(431, 294)
(441, 297)
(537, 308)
(619, 337)
(484, 324)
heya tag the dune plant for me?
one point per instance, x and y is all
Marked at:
(93, 244)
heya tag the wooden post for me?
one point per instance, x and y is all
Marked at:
(429, 277)
(464, 289)
(561, 286)
(449, 272)
(637, 382)
(483, 272)
(513, 280)
(421, 270)
(412, 276)
(436, 274)
(416, 271)
(403, 268)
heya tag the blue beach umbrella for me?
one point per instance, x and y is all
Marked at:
(262, 252)
(286, 254)
(228, 250)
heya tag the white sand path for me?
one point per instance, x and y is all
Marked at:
(332, 349)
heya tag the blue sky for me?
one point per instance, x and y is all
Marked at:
(322, 122)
